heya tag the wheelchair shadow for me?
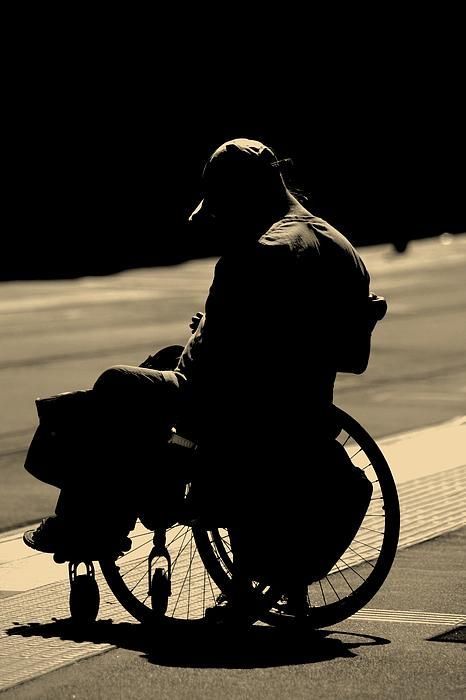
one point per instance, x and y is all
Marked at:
(201, 646)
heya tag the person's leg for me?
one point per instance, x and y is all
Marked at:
(133, 411)
(238, 608)
(240, 594)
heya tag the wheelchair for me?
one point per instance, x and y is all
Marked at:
(174, 574)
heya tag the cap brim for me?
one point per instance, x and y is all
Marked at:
(200, 213)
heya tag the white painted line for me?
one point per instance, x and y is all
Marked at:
(416, 617)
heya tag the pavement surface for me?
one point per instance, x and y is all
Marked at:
(408, 642)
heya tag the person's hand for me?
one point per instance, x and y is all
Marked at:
(147, 364)
(195, 321)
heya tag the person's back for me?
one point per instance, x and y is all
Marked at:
(278, 315)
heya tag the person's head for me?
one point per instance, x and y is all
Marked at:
(242, 186)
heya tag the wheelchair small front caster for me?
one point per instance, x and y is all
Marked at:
(160, 591)
(84, 593)
(160, 582)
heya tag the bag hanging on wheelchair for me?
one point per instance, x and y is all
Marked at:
(65, 423)
(310, 536)
(343, 505)
(60, 430)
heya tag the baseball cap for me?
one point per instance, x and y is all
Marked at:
(239, 163)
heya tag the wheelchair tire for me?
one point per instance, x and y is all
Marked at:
(84, 600)
(160, 592)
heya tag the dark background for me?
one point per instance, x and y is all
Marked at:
(108, 140)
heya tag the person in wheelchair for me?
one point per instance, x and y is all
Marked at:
(253, 387)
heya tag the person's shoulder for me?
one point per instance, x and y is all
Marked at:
(336, 246)
(326, 232)
(290, 235)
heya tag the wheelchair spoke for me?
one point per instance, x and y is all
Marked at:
(364, 527)
(347, 438)
(141, 545)
(141, 560)
(184, 581)
(348, 566)
(211, 588)
(182, 548)
(344, 577)
(328, 581)
(203, 588)
(356, 453)
(177, 537)
(226, 541)
(361, 557)
(138, 582)
(140, 534)
(323, 594)
(364, 544)
(190, 571)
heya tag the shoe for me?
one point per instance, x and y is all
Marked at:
(235, 615)
(296, 606)
(51, 537)
(47, 537)
(227, 615)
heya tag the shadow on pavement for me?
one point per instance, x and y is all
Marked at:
(457, 634)
(199, 646)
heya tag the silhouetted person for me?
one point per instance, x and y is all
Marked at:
(286, 310)
(254, 385)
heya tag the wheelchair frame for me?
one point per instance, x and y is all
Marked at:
(178, 592)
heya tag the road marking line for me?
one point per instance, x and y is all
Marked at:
(417, 617)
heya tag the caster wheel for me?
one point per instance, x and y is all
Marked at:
(160, 592)
(84, 598)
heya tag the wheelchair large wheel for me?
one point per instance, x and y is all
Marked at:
(203, 562)
(364, 566)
